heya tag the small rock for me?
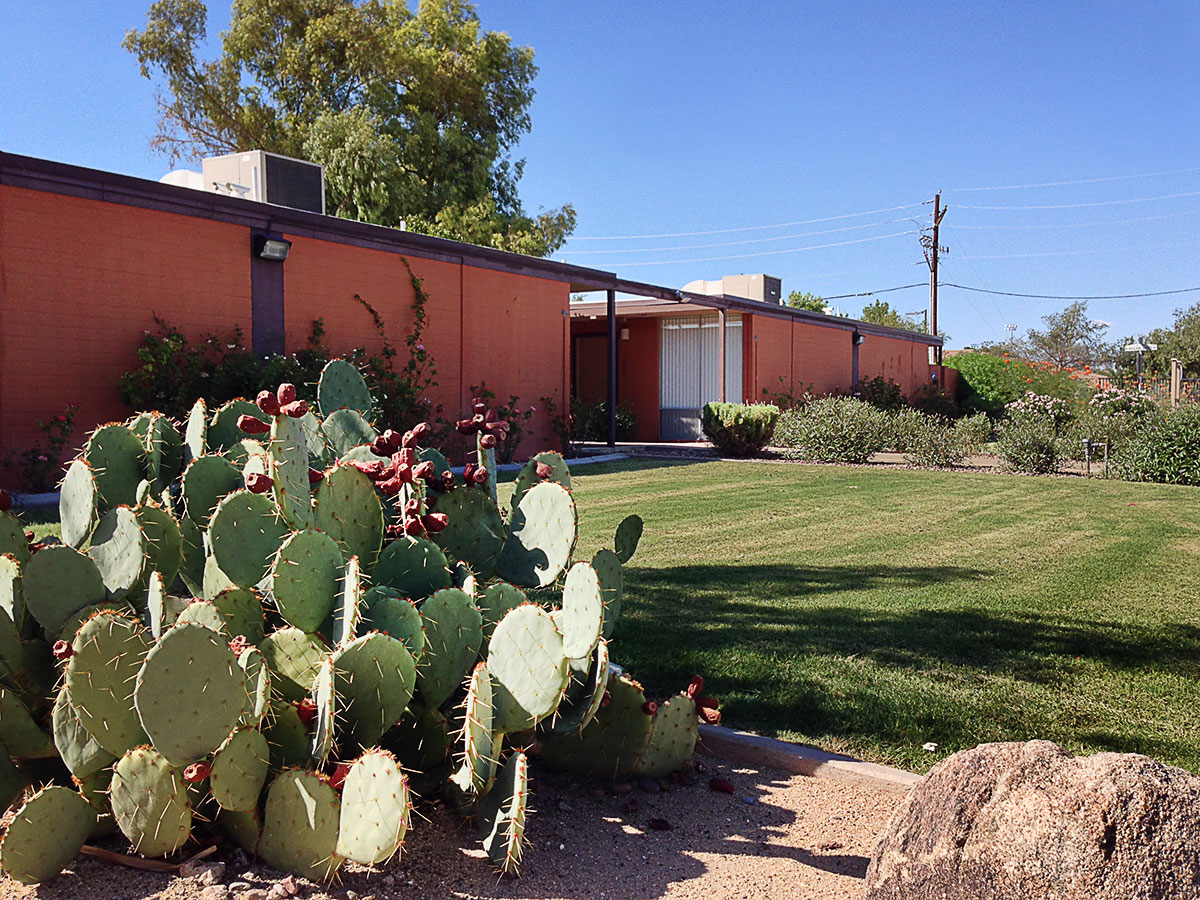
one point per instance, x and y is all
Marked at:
(247, 875)
(749, 799)
(237, 886)
(277, 892)
(351, 895)
(649, 785)
(253, 894)
(215, 892)
(289, 885)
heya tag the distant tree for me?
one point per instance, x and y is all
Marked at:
(879, 312)
(1181, 342)
(413, 114)
(1070, 340)
(799, 300)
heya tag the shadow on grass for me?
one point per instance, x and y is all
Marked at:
(794, 650)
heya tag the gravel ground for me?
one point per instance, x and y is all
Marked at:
(777, 836)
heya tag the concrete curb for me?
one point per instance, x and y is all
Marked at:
(756, 750)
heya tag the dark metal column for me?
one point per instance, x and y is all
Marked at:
(612, 368)
(266, 302)
(721, 355)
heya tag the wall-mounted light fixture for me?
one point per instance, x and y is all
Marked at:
(624, 334)
(275, 249)
(859, 338)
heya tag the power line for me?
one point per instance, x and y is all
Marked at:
(782, 237)
(1086, 252)
(1045, 225)
(639, 237)
(978, 290)
(670, 262)
(902, 287)
(1016, 187)
(1083, 205)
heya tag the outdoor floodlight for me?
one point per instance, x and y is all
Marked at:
(859, 338)
(271, 248)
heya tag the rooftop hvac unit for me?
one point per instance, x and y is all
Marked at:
(764, 288)
(268, 178)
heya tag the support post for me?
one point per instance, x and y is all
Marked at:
(721, 355)
(612, 368)
(1176, 382)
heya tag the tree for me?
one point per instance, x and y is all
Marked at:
(879, 312)
(1070, 339)
(1181, 342)
(414, 115)
(799, 300)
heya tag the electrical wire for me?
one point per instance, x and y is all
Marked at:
(1086, 252)
(782, 237)
(902, 287)
(978, 290)
(1017, 187)
(1083, 205)
(958, 225)
(640, 237)
(671, 262)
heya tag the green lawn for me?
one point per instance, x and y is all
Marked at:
(870, 611)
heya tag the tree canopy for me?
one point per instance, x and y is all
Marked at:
(413, 115)
(803, 300)
(880, 312)
(1070, 339)
(1181, 341)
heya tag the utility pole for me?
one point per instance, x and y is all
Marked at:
(932, 248)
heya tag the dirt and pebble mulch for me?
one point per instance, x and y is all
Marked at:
(776, 836)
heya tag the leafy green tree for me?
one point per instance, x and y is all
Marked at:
(880, 312)
(414, 115)
(1070, 339)
(1181, 342)
(801, 300)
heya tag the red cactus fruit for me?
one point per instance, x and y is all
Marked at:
(252, 425)
(423, 470)
(413, 526)
(258, 483)
(405, 456)
(465, 426)
(379, 447)
(390, 487)
(721, 786)
(543, 470)
(469, 472)
(478, 421)
(487, 441)
(297, 409)
(695, 686)
(286, 394)
(606, 699)
(306, 709)
(6, 500)
(649, 707)
(420, 431)
(447, 480)
(268, 403)
(395, 531)
(478, 406)
(711, 716)
(499, 427)
(413, 506)
(239, 645)
(62, 650)
(315, 476)
(435, 522)
(373, 469)
(338, 778)
(197, 772)
(392, 440)
(480, 477)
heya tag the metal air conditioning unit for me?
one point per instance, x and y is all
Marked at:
(267, 178)
(763, 288)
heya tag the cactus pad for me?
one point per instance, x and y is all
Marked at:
(349, 510)
(341, 385)
(502, 814)
(78, 750)
(244, 828)
(12, 538)
(304, 578)
(528, 668)
(161, 608)
(117, 460)
(585, 694)
(300, 825)
(349, 610)
(293, 657)
(612, 587)
(46, 835)
(582, 611)
(12, 784)
(395, 615)
(205, 481)
(164, 540)
(542, 531)
(57, 583)
(191, 566)
(325, 700)
(119, 550)
(195, 432)
(475, 534)
(150, 802)
(163, 447)
(288, 467)
(375, 809)
(629, 533)
(413, 566)
(528, 476)
(223, 434)
(239, 770)
(476, 741)
(245, 534)
(12, 598)
(673, 734)
(346, 429)
(242, 612)
(374, 677)
(202, 612)
(215, 581)
(108, 651)
(612, 743)
(19, 733)
(453, 635)
(189, 693)
(77, 502)
(497, 600)
(258, 686)
(287, 737)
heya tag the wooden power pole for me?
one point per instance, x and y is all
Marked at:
(932, 249)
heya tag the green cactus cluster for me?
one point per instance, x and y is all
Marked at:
(289, 626)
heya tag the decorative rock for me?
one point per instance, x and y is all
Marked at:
(1031, 820)
(215, 892)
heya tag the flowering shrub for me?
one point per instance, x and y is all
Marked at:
(1031, 444)
(973, 432)
(903, 429)
(935, 444)
(834, 429)
(881, 392)
(1116, 401)
(989, 382)
(1165, 448)
(1041, 407)
(37, 469)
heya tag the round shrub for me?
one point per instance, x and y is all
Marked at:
(973, 432)
(935, 444)
(835, 429)
(1165, 448)
(737, 429)
(903, 430)
(1030, 444)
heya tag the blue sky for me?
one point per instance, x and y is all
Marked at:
(736, 118)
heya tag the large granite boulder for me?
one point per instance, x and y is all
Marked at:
(1032, 822)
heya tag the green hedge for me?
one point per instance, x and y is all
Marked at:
(738, 429)
(835, 429)
(1166, 449)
